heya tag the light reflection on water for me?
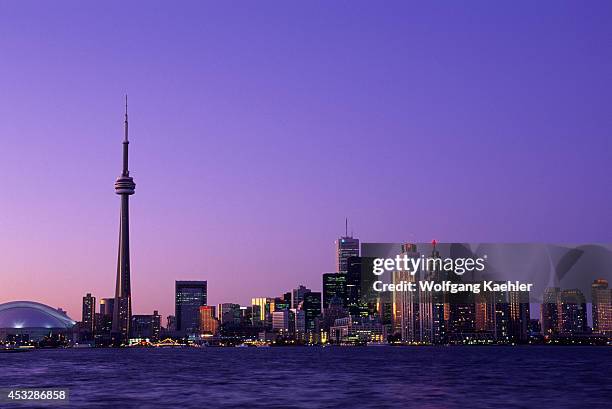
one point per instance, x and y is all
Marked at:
(381, 377)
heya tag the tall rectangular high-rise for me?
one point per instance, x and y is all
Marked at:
(432, 305)
(602, 307)
(189, 297)
(346, 246)
(573, 312)
(89, 313)
(550, 311)
(519, 316)
(311, 305)
(209, 324)
(405, 303)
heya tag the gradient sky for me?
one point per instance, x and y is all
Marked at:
(256, 127)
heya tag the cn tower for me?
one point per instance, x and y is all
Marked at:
(122, 311)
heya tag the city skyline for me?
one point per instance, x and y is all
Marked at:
(269, 139)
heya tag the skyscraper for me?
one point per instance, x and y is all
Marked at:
(573, 312)
(431, 306)
(405, 303)
(359, 296)
(229, 313)
(519, 316)
(189, 297)
(550, 311)
(124, 186)
(297, 296)
(209, 325)
(89, 310)
(104, 321)
(312, 309)
(602, 307)
(334, 285)
(346, 246)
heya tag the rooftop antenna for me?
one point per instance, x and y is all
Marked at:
(346, 227)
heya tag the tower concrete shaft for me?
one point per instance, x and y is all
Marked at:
(124, 186)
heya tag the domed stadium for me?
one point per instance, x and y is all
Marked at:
(32, 321)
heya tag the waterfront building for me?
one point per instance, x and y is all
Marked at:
(298, 324)
(289, 323)
(229, 314)
(189, 297)
(357, 331)
(311, 305)
(147, 326)
(104, 326)
(432, 321)
(28, 321)
(519, 316)
(354, 302)
(602, 307)
(573, 310)
(88, 316)
(550, 311)
(264, 307)
(501, 324)
(280, 321)
(209, 325)
(246, 316)
(405, 303)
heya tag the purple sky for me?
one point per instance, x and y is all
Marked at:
(256, 127)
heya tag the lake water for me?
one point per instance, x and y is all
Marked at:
(313, 377)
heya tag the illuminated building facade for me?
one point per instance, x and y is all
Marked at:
(334, 285)
(550, 311)
(189, 297)
(602, 307)
(406, 303)
(311, 305)
(345, 247)
(146, 326)
(88, 315)
(573, 310)
(209, 325)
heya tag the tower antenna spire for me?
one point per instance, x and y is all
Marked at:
(346, 227)
(126, 172)
(126, 118)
